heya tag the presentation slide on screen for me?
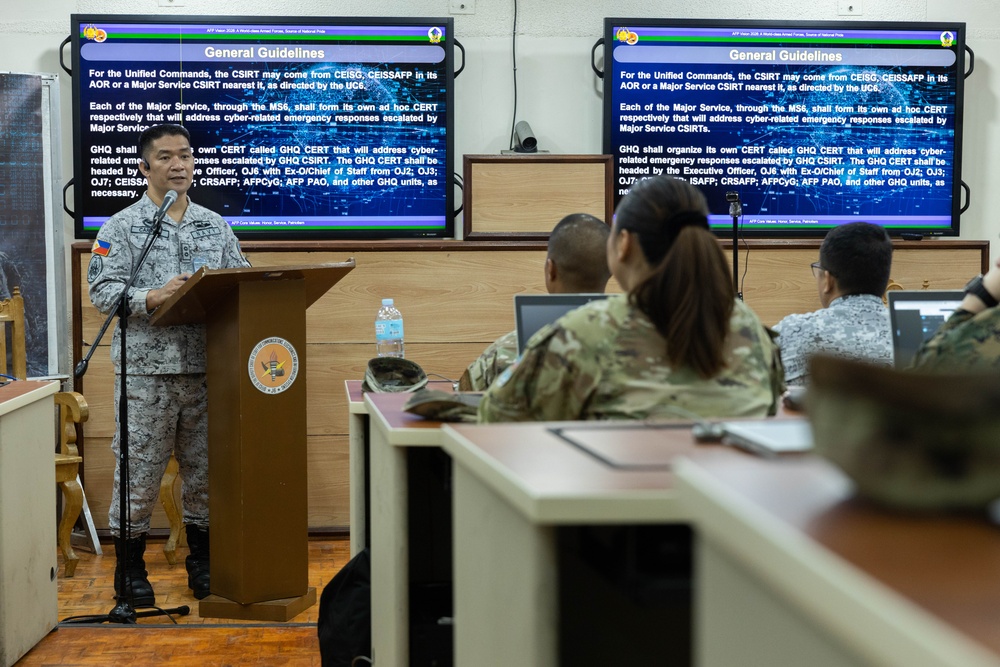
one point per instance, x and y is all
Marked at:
(293, 126)
(811, 128)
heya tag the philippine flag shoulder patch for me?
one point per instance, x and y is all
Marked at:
(101, 248)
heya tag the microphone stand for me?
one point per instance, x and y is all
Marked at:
(124, 612)
(736, 210)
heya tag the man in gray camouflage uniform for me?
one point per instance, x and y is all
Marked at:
(575, 263)
(166, 365)
(851, 276)
(970, 339)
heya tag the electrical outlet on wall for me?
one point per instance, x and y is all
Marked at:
(462, 6)
(850, 7)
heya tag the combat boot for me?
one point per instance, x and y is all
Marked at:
(197, 561)
(138, 591)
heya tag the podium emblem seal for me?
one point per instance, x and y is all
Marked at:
(273, 365)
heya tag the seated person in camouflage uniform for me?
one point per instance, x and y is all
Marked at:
(851, 276)
(970, 339)
(575, 263)
(677, 343)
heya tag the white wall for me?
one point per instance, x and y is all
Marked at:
(558, 94)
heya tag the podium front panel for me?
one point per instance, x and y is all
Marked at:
(257, 442)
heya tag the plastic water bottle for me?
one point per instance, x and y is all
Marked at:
(389, 330)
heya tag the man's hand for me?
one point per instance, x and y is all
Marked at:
(156, 297)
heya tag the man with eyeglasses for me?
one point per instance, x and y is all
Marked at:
(851, 276)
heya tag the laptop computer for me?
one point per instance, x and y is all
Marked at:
(915, 316)
(533, 311)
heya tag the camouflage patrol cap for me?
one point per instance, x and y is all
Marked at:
(444, 406)
(910, 440)
(393, 374)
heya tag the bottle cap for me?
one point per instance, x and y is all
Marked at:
(386, 302)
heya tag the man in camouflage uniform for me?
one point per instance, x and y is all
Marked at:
(851, 277)
(605, 360)
(970, 339)
(575, 263)
(166, 365)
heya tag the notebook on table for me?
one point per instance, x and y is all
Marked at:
(533, 311)
(915, 316)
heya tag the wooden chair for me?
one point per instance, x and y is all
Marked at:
(73, 410)
(169, 502)
(12, 312)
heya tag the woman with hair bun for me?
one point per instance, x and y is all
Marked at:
(678, 343)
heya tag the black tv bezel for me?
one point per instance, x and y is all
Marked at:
(448, 43)
(957, 27)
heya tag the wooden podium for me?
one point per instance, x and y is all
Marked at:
(255, 322)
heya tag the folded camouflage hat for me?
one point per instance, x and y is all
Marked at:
(444, 406)
(393, 374)
(908, 439)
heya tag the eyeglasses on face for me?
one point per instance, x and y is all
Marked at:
(816, 268)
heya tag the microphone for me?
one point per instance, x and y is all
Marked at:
(168, 201)
(735, 206)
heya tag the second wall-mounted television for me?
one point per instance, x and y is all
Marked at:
(811, 125)
(302, 127)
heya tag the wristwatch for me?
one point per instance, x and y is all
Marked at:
(977, 288)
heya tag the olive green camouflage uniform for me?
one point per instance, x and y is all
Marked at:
(606, 360)
(965, 342)
(482, 372)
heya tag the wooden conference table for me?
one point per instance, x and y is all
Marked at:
(820, 574)
(358, 449)
(396, 480)
(790, 568)
(796, 571)
(533, 504)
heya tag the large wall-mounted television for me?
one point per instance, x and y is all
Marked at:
(810, 125)
(302, 127)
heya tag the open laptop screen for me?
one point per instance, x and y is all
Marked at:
(533, 311)
(915, 316)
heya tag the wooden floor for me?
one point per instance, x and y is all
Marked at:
(185, 640)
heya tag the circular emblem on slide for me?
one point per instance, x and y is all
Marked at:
(273, 365)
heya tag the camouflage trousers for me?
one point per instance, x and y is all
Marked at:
(167, 414)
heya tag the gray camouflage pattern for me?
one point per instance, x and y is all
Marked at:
(605, 360)
(965, 342)
(168, 401)
(482, 372)
(158, 350)
(166, 414)
(856, 326)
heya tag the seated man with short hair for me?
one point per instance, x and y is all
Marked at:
(576, 263)
(851, 276)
